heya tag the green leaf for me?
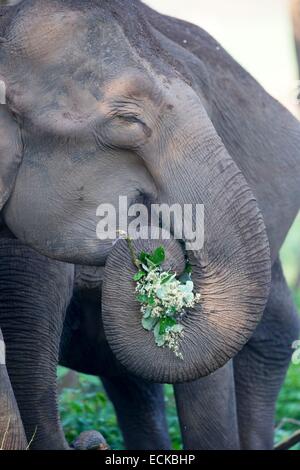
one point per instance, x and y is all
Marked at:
(167, 278)
(147, 312)
(151, 300)
(177, 328)
(142, 298)
(149, 323)
(152, 259)
(172, 310)
(158, 256)
(160, 293)
(189, 297)
(156, 330)
(185, 277)
(159, 339)
(139, 275)
(188, 268)
(187, 287)
(165, 323)
(143, 257)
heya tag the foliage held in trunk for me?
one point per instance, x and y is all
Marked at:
(163, 296)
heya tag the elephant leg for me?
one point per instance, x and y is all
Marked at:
(207, 411)
(261, 366)
(140, 410)
(34, 293)
(139, 405)
(12, 435)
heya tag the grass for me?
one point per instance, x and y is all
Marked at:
(87, 407)
(288, 406)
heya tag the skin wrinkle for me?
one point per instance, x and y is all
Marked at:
(32, 365)
(11, 429)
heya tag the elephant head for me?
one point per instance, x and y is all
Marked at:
(96, 108)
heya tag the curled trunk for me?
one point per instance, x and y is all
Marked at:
(231, 271)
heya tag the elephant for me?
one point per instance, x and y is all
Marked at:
(107, 99)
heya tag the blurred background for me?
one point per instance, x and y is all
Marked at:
(259, 35)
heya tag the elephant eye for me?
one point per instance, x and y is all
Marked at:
(126, 129)
(131, 118)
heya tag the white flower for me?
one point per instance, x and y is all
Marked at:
(164, 300)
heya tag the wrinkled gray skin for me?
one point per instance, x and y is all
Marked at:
(109, 98)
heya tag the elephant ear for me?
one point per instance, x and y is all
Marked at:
(11, 147)
(10, 152)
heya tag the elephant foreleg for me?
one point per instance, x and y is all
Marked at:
(207, 411)
(12, 435)
(139, 405)
(141, 412)
(34, 293)
(261, 366)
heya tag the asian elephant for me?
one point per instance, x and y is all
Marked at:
(109, 98)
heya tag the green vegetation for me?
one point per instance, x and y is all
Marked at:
(87, 407)
(288, 405)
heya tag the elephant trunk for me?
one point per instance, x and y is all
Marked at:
(12, 435)
(231, 271)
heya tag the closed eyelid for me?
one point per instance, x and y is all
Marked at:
(126, 106)
(123, 113)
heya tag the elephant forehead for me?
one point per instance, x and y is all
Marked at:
(67, 41)
(40, 34)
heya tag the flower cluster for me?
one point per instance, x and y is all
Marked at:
(163, 298)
